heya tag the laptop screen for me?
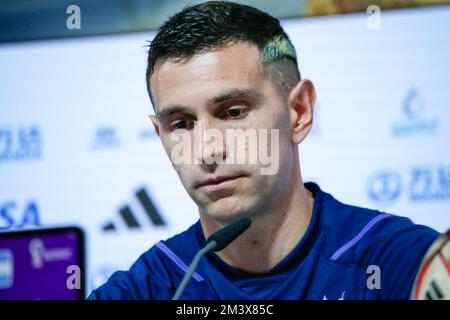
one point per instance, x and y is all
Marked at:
(42, 264)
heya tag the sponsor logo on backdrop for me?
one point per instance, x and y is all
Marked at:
(21, 143)
(429, 183)
(40, 254)
(384, 186)
(416, 184)
(105, 138)
(15, 215)
(416, 117)
(130, 218)
(6, 269)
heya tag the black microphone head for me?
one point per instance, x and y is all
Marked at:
(226, 235)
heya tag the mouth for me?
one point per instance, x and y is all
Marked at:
(220, 182)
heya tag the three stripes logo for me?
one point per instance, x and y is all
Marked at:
(130, 218)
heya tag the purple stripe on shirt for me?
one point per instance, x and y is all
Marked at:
(361, 234)
(177, 260)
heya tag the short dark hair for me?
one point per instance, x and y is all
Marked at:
(206, 26)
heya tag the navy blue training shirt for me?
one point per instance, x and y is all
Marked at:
(332, 261)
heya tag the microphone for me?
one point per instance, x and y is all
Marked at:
(215, 242)
(228, 234)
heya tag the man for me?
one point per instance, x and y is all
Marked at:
(221, 67)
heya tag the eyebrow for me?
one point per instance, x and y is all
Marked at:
(232, 94)
(171, 110)
(235, 94)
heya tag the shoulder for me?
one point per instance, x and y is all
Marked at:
(168, 257)
(359, 233)
(152, 275)
(364, 238)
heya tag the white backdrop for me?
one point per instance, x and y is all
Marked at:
(76, 143)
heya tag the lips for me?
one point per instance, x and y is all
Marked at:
(218, 180)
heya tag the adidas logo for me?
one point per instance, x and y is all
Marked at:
(134, 220)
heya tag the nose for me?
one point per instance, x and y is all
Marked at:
(210, 148)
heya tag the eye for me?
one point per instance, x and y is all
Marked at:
(182, 124)
(235, 112)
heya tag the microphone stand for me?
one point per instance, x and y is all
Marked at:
(209, 247)
(217, 241)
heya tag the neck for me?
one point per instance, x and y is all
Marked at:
(272, 235)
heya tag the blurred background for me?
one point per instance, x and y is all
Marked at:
(77, 147)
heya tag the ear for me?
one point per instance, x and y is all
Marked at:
(154, 120)
(301, 107)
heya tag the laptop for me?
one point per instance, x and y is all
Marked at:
(42, 264)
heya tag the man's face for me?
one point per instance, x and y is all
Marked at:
(225, 90)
